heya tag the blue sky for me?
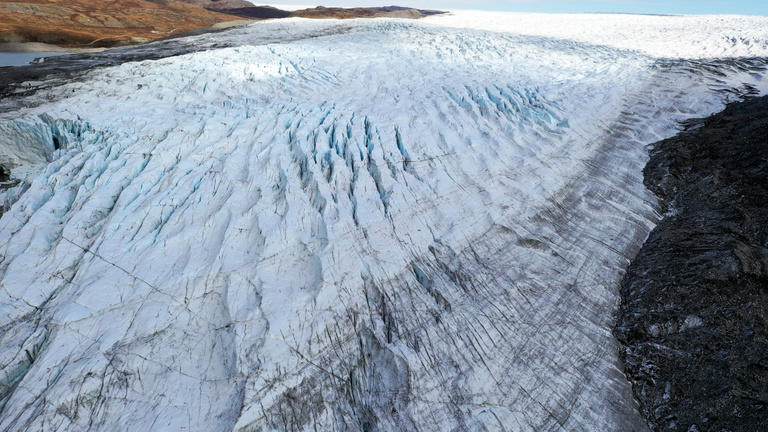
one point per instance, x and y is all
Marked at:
(743, 7)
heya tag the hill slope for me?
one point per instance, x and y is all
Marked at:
(108, 23)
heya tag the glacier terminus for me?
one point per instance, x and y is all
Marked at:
(357, 225)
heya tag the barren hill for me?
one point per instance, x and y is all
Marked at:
(100, 23)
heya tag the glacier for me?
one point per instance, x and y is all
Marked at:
(347, 225)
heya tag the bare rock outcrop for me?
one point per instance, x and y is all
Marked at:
(694, 312)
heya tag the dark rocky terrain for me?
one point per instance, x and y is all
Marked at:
(369, 12)
(259, 12)
(694, 312)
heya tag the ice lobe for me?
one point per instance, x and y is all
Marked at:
(402, 227)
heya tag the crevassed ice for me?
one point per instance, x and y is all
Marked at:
(665, 36)
(401, 226)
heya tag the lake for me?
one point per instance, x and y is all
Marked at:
(22, 58)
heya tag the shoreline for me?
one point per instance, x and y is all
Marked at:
(693, 319)
(35, 47)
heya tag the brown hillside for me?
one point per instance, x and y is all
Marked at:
(100, 23)
(220, 4)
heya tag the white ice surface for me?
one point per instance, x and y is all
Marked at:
(668, 36)
(396, 226)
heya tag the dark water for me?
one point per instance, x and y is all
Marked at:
(23, 58)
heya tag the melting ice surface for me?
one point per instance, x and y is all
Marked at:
(393, 226)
